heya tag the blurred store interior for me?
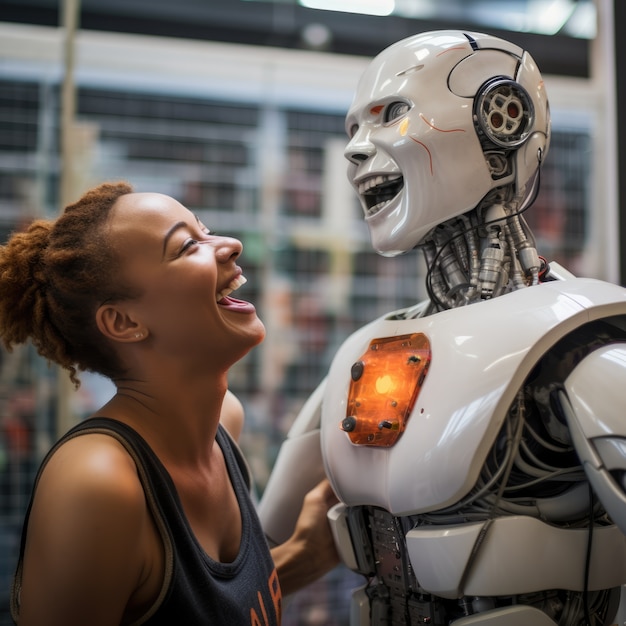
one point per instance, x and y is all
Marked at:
(235, 107)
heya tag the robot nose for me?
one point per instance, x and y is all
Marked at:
(356, 157)
(360, 147)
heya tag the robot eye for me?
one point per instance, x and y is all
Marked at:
(396, 110)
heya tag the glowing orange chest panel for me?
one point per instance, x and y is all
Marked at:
(385, 384)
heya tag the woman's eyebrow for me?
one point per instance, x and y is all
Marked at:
(170, 232)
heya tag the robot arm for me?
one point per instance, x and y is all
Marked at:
(298, 468)
(593, 402)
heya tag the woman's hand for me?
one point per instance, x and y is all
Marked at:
(310, 552)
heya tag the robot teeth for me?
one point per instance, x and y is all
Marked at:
(381, 180)
(377, 191)
(375, 209)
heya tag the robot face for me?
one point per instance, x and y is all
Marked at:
(431, 132)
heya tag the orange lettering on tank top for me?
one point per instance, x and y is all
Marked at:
(275, 595)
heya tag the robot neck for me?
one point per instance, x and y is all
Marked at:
(482, 254)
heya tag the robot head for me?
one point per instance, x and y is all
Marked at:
(438, 121)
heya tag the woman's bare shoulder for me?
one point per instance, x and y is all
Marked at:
(90, 480)
(85, 532)
(232, 416)
(93, 461)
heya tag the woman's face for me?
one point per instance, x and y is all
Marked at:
(185, 274)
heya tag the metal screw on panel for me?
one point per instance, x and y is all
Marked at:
(357, 370)
(348, 423)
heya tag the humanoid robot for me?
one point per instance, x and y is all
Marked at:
(476, 441)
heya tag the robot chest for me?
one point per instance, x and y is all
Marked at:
(413, 400)
(413, 406)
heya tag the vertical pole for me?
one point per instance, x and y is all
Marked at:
(606, 168)
(70, 15)
(619, 19)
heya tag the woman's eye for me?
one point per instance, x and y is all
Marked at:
(396, 110)
(188, 244)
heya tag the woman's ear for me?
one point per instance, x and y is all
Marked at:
(116, 324)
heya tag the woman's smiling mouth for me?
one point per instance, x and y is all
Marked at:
(234, 284)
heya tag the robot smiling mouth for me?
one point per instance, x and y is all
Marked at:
(377, 191)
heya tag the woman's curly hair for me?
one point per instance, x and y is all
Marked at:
(54, 276)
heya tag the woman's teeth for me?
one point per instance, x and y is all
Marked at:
(234, 284)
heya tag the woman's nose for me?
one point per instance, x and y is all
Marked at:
(227, 248)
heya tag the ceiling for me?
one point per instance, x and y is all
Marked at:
(575, 18)
(557, 32)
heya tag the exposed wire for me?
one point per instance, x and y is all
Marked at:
(431, 289)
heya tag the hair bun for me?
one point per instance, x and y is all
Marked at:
(23, 283)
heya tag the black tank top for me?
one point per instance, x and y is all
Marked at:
(197, 590)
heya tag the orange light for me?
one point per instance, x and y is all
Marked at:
(385, 384)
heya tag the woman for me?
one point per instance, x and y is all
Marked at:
(142, 515)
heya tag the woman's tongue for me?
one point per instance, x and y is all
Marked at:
(228, 302)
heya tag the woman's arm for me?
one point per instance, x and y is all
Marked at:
(310, 552)
(85, 550)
